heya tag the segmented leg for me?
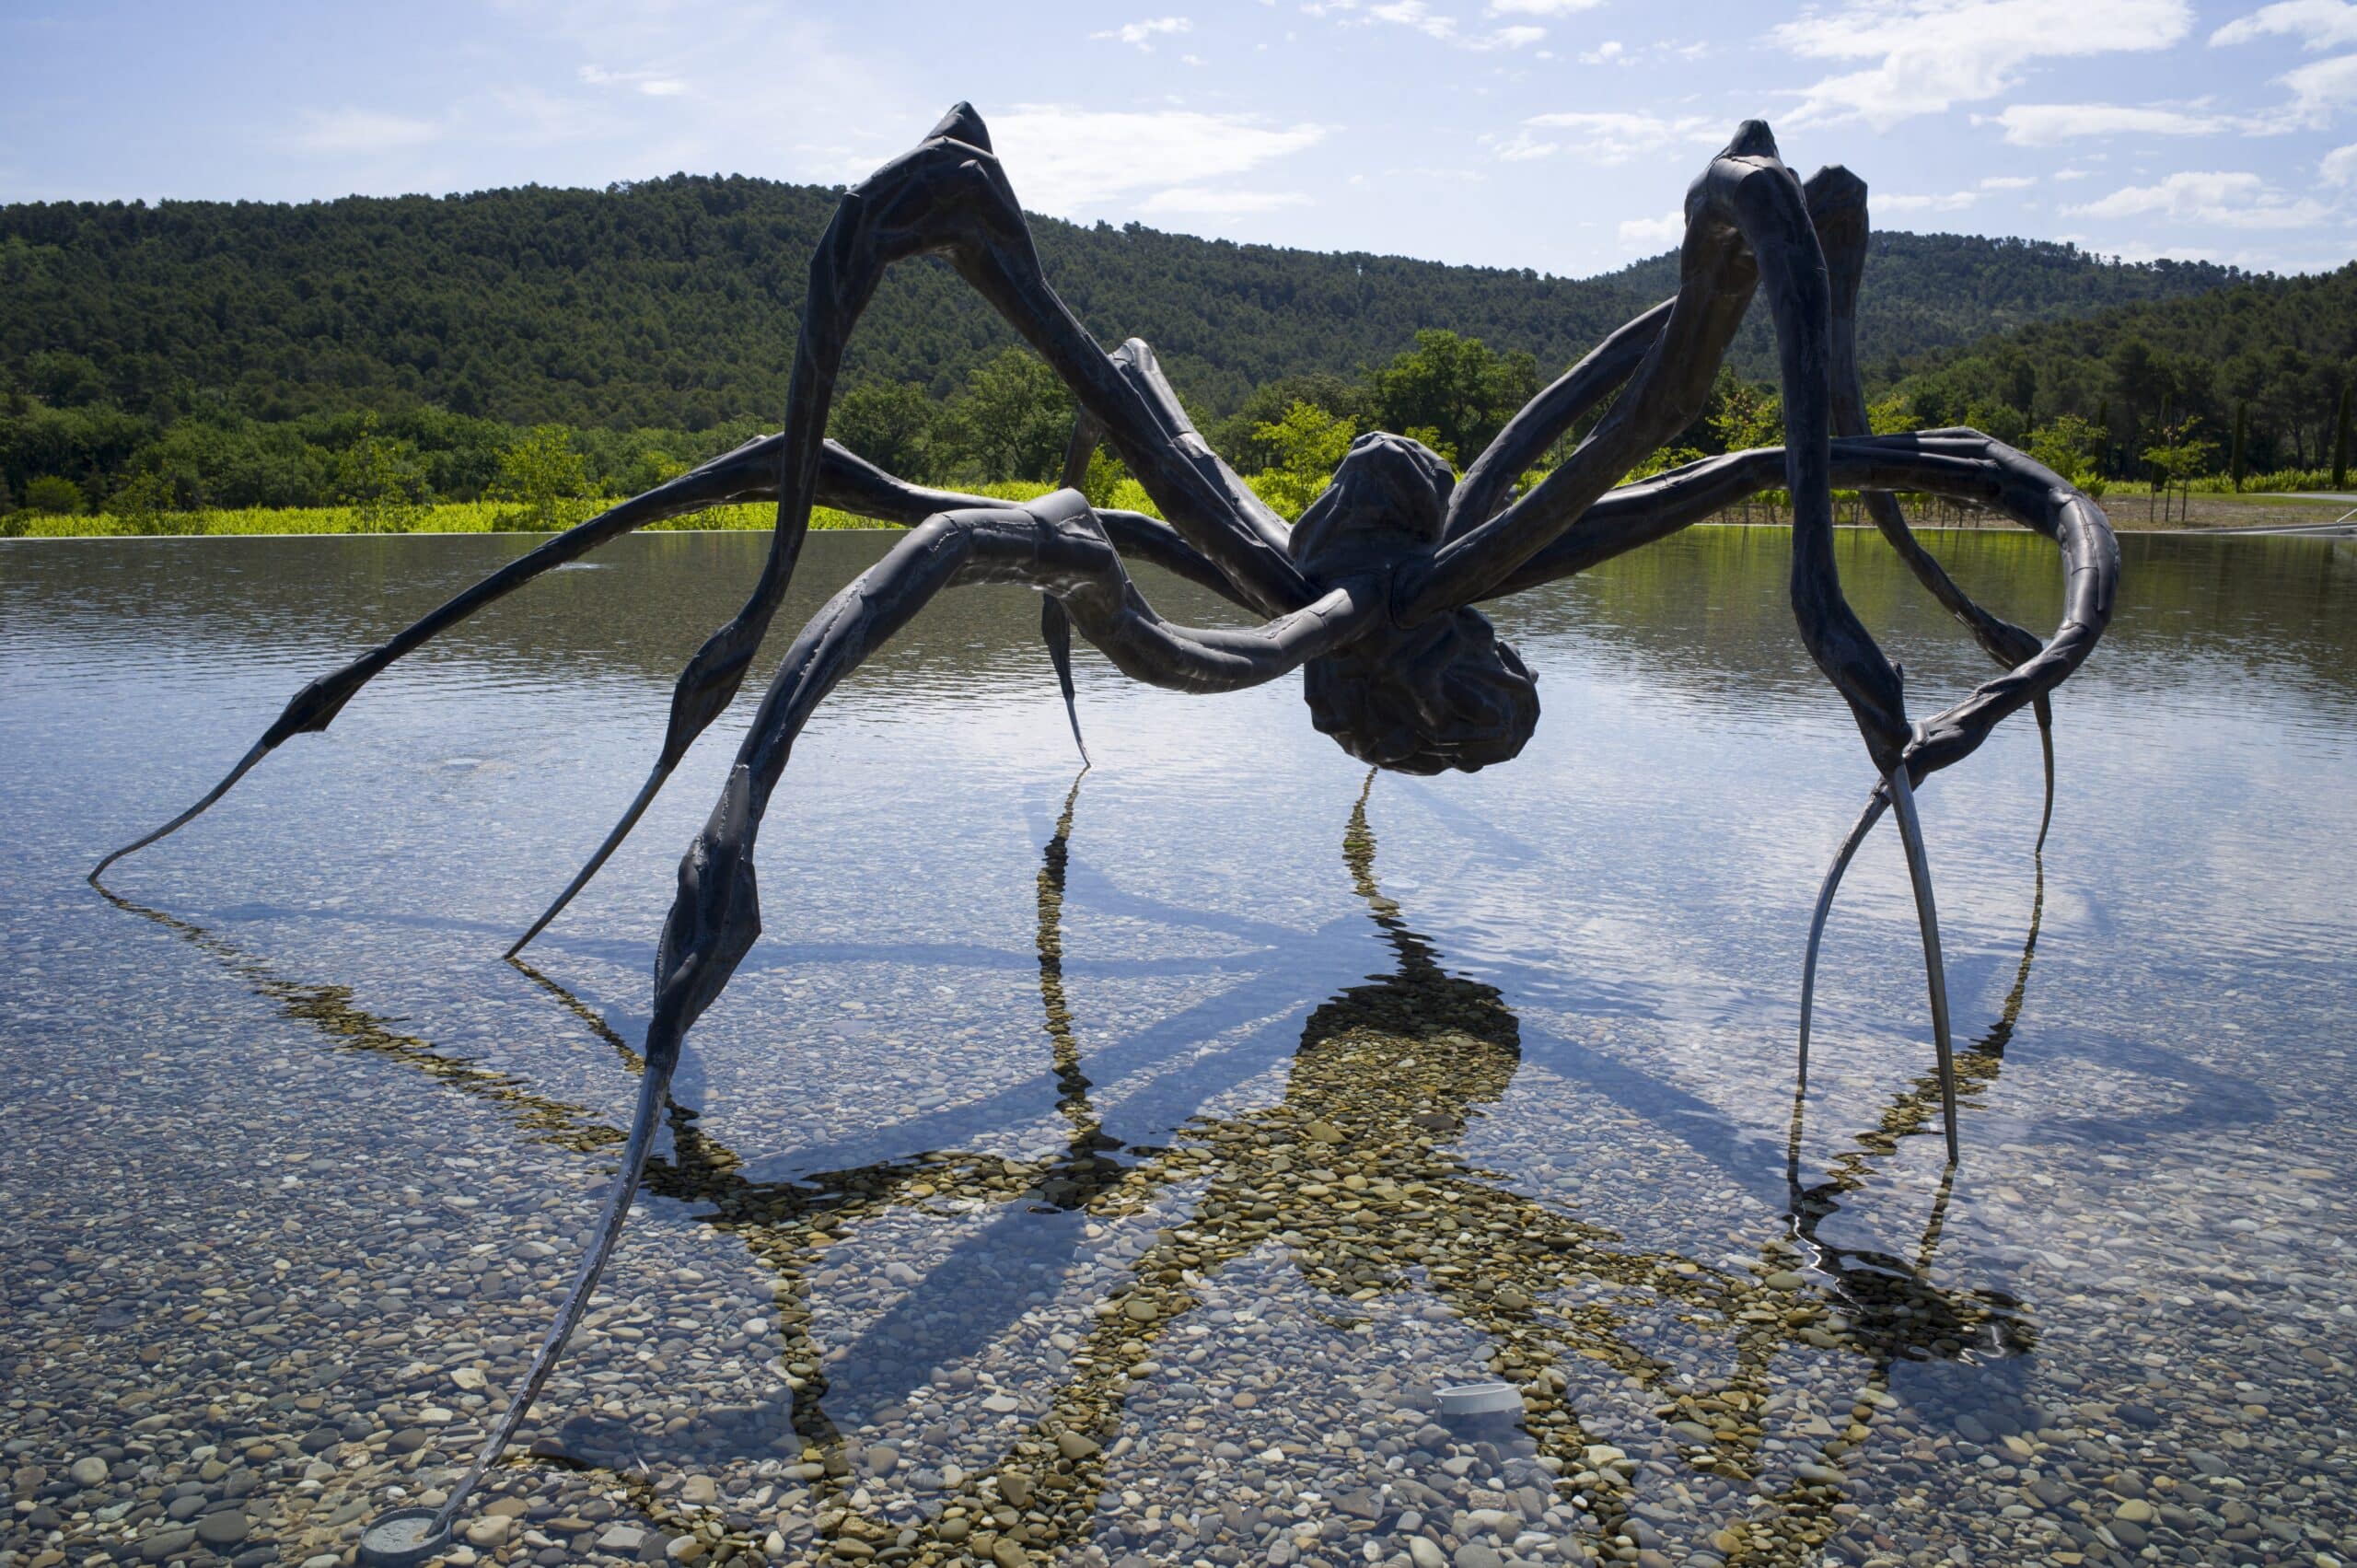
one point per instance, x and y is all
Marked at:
(1056, 545)
(1876, 803)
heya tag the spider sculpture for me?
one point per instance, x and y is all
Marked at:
(1370, 593)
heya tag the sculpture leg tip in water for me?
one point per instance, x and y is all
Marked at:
(2044, 710)
(1875, 804)
(1055, 630)
(1919, 872)
(245, 765)
(605, 850)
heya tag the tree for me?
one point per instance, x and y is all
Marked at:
(380, 478)
(1743, 414)
(2177, 459)
(1012, 421)
(54, 495)
(2340, 440)
(1311, 444)
(2068, 445)
(1455, 387)
(544, 476)
(2239, 449)
(889, 422)
(1237, 438)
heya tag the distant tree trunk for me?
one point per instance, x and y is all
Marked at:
(2103, 436)
(2340, 440)
(2242, 436)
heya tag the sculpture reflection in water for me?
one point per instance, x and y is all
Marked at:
(1355, 1175)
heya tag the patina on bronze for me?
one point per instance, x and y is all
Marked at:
(1370, 593)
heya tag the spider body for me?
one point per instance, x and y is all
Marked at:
(1370, 593)
(1445, 692)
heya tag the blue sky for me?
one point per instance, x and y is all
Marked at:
(1555, 135)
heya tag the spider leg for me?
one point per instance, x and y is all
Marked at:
(1918, 873)
(1542, 420)
(1836, 206)
(747, 474)
(1054, 544)
(1055, 624)
(1875, 805)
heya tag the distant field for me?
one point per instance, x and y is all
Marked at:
(457, 516)
(2131, 511)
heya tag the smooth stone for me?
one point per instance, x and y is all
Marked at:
(86, 1472)
(226, 1528)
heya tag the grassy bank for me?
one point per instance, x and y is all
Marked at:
(2131, 509)
(456, 516)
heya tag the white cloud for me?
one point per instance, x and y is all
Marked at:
(1651, 234)
(1141, 35)
(653, 84)
(1932, 54)
(2318, 24)
(2230, 200)
(1608, 136)
(2044, 124)
(2008, 182)
(1954, 201)
(1603, 54)
(1510, 38)
(1065, 159)
(2319, 88)
(1541, 7)
(343, 131)
(1201, 200)
(1414, 14)
(2339, 166)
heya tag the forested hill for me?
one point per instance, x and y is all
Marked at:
(2272, 354)
(1928, 292)
(671, 303)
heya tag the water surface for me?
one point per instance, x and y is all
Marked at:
(1114, 1166)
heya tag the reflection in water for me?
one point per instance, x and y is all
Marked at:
(1355, 1172)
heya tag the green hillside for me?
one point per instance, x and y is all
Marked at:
(2274, 355)
(671, 303)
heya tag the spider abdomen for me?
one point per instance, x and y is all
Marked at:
(1445, 694)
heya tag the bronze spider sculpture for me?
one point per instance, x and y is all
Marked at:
(1370, 593)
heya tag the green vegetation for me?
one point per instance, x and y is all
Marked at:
(2246, 388)
(522, 356)
(453, 516)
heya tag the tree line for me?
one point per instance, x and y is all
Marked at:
(2248, 385)
(228, 353)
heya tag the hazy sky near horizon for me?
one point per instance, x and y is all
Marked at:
(1555, 135)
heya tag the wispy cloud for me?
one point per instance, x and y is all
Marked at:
(653, 84)
(2008, 182)
(2318, 24)
(2228, 200)
(1201, 200)
(1141, 35)
(2044, 124)
(1541, 8)
(1929, 55)
(350, 130)
(1951, 201)
(1648, 234)
(2319, 88)
(1606, 136)
(2338, 167)
(1066, 159)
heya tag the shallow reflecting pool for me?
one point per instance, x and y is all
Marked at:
(1113, 1168)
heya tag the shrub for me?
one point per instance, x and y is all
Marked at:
(54, 495)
